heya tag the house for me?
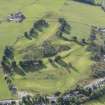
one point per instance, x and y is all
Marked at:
(14, 90)
(9, 102)
(16, 17)
(101, 31)
(97, 30)
(52, 99)
(99, 83)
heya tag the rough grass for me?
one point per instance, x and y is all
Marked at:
(4, 92)
(100, 101)
(33, 9)
(53, 79)
(80, 16)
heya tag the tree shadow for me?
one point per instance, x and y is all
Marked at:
(73, 68)
(84, 2)
(53, 63)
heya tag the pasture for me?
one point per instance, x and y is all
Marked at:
(49, 80)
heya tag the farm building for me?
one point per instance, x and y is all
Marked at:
(16, 17)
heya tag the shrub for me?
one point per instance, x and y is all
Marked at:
(98, 70)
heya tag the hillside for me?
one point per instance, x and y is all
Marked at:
(30, 64)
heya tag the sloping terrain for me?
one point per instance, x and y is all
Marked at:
(80, 17)
(4, 92)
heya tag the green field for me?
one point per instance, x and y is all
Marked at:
(52, 79)
(33, 9)
(4, 92)
(79, 15)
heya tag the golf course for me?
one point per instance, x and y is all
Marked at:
(70, 64)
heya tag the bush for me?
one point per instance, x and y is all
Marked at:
(29, 65)
(49, 50)
(98, 70)
(9, 52)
